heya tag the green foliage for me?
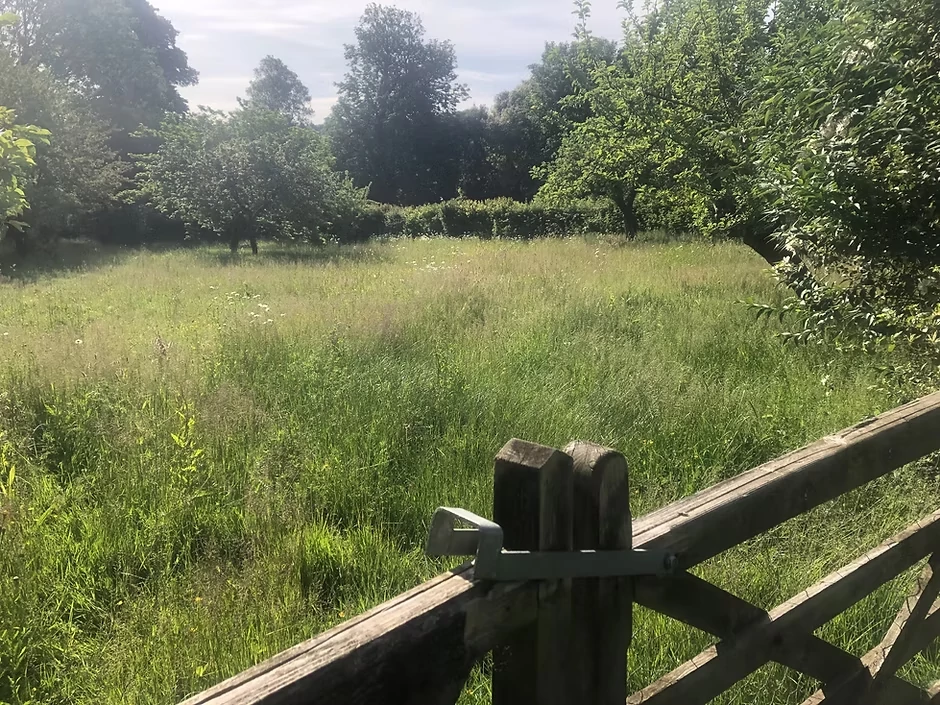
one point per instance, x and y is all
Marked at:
(527, 124)
(492, 218)
(187, 506)
(278, 89)
(668, 116)
(389, 126)
(120, 54)
(850, 159)
(17, 165)
(248, 174)
(76, 172)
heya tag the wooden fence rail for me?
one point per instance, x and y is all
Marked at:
(566, 641)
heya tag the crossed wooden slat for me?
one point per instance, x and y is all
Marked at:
(751, 637)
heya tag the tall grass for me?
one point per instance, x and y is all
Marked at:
(205, 459)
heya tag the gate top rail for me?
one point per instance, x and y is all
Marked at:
(443, 626)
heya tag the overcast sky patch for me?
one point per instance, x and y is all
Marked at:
(495, 40)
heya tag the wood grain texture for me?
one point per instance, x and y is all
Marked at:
(554, 677)
(719, 667)
(521, 470)
(845, 690)
(517, 475)
(700, 604)
(895, 648)
(713, 520)
(916, 626)
(378, 657)
(603, 608)
(447, 623)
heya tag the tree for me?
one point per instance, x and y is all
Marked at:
(120, 54)
(528, 123)
(17, 167)
(614, 154)
(672, 116)
(158, 35)
(76, 172)
(245, 175)
(387, 126)
(469, 154)
(849, 160)
(276, 88)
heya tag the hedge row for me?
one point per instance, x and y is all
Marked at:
(497, 218)
(134, 224)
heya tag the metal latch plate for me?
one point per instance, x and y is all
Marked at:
(485, 541)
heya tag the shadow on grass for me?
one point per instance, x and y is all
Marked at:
(270, 253)
(74, 256)
(63, 258)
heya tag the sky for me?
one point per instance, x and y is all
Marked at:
(495, 40)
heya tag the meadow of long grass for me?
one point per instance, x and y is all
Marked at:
(205, 458)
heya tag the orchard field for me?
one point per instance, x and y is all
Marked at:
(206, 458)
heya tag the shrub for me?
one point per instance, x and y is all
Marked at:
(497, 217)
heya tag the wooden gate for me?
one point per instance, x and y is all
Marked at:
(566, 641)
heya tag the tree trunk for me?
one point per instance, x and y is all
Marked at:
(254, 244)
(22, 242)
(764, 244)
(625, 199)
(773, 252)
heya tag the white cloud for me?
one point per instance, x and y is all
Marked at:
(321, 107)
(477, 77)
(495, 40)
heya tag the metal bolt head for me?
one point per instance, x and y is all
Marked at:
(670, 563)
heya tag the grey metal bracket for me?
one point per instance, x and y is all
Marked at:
(485, 541)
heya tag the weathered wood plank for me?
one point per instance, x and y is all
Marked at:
(379, 656)
(709, 522)
(718, 668)
(696, 602)
(518, 473)
(452, 620)
(896, 645)
(859, 685)
(554, 675)
(603, 608)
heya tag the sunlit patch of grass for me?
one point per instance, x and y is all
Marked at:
(216, 456)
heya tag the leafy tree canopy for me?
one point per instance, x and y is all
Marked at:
(849, 156)
(245, 175)
(387, 125)
(120, 54)
(276, 88)
(528, 124)
(670, 116)
(17, 166)
(76, 172)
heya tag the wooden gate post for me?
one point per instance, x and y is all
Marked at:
(532, 502)
(602, 608)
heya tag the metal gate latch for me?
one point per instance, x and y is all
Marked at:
(485, 541)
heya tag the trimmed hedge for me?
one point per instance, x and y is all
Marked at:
(494, 218)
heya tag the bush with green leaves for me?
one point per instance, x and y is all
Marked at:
(77, 172)
(492, 218)
(246, 175)
(17, 167)
(850, 158)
